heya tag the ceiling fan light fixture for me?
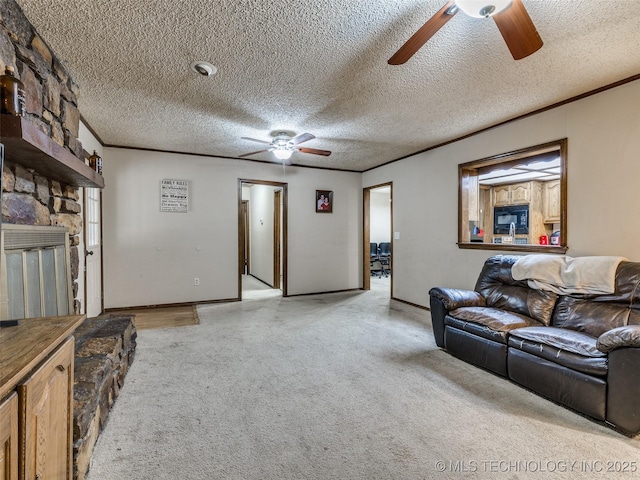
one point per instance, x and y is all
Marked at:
(482, 8)
(282, 153)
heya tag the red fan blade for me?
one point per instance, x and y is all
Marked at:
(303, 137)
(421, 37)
(256, 140)
(254, 153)
(518, 30)
(314, 151)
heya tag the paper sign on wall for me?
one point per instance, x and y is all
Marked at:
(174, 196)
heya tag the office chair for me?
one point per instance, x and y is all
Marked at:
(374, 261)
(384, 255)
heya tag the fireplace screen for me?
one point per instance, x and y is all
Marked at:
(36, 270)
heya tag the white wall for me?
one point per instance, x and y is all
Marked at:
(603, 134)
(380, 216)
(261, 232)
(151, 258)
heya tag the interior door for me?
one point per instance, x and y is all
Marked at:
(93, 252)
(277, 234)
(244, 241)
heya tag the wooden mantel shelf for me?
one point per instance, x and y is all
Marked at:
(26, 145)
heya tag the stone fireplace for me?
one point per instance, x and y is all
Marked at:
(29, 196)
(43, 172)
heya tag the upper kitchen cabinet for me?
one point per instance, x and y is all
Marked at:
(513, 194)
(551, 202)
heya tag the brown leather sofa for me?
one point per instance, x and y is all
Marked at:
(581, 351)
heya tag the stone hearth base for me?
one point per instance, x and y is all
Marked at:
(105, 347)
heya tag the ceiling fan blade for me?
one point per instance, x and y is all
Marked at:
(421, 37)
(254, 153)
(314, 151)
(303, 137)
(256, 140)
(518, 30)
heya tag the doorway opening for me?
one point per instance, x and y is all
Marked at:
(262, 238)
(378, 238)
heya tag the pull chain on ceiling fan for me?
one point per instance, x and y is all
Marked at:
(512, 19)
(283, 146)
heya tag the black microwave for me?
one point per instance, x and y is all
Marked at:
(504, 217)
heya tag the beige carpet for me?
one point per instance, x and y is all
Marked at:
(340, 386)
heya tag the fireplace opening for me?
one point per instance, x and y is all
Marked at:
(35, 272)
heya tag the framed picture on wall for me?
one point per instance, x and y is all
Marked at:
(324, 201)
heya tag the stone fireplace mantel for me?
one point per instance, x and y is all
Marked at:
(26, 145)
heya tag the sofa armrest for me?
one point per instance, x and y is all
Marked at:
(453, 298)
(621, 337)
(443, 300)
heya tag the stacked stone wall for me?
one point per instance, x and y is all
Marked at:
(29, 198)
(104, 351)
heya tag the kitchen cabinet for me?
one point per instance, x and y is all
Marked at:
(521, 193)
(501, 195)
(9, 438)
(36, 367)
(46, 401)
(512, 194)
(551, 202)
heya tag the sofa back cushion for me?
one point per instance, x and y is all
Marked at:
(501, 291)
(595, 314)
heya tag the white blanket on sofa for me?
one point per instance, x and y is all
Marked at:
(566, 275)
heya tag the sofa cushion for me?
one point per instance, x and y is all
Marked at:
(588, 316)
(560, 338)
(590, 365)
(501, 291)
(489, 323)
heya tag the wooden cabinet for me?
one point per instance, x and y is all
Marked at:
(36, 386)
(551, 202)
(521, 193)
(46, 401)
(9, 438)
(513, 194)
(501, 195)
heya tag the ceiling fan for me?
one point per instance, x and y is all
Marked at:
(283, 145)
(511, 17)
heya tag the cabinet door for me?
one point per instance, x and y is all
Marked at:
(46, 401)
(501, 195)
(9, 438)
(552, 202)
(520, 193)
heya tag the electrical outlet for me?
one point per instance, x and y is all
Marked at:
(196, 281)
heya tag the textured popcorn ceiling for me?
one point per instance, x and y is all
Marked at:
(321, 67)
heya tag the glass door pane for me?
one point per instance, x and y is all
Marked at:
(61, 281)
(33, 284)
(49, 283)
(15, 285)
